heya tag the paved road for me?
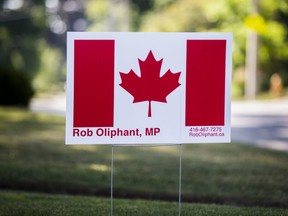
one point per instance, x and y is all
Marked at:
(263, 123)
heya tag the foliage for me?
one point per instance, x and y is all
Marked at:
(108, 15)
(231, 16)
(32, 31)
(23, 30)
(51, 74)
(97, 12)
(15, 88)
(20, 28)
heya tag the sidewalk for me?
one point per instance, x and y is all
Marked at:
(55, 105)
(261, 123)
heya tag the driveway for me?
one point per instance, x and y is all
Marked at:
(260, 123)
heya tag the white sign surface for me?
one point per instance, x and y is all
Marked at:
(148, 88)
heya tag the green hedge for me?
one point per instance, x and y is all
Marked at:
(15, 88)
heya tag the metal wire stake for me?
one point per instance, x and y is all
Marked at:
(111, 184)
(180, 178)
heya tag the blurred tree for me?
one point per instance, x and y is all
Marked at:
(21, 24)
(127, 14)
(27, 26)
(15, 88)
(97, 12)
(270, 23)
(62, 16)
(33, 37)
(274, 41)
(109, 15)
(139, 9)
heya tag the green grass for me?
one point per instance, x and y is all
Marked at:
(33, 157)
(49, 205)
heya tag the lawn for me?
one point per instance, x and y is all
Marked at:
(27, 204)
(34, 158)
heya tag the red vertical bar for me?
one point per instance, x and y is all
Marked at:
(205, 82)
(93, 83)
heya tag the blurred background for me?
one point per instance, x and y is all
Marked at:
(33, 38)
(33, 157)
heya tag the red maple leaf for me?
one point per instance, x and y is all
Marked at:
(150, 86)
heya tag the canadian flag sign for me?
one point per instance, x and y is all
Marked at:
(148, 88)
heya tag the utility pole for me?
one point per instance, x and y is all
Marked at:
(251, 81)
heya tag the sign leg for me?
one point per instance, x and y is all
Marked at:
(180, 178)
(111, 184)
